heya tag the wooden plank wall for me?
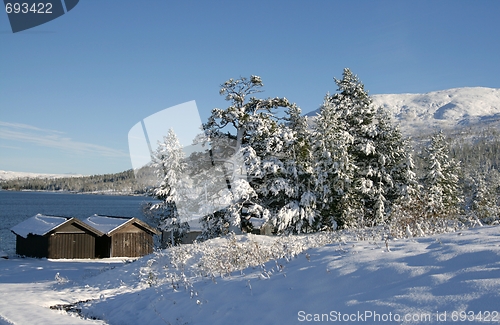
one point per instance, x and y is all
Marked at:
(71, 245)
(33, 246)
(71, 241)
(131, 244)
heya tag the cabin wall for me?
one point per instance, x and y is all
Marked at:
(131, 241)
(71, 241)
(190, 237)
(131, 244)
(71, 245)
(32, 246)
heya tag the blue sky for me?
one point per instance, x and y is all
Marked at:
(71, 89)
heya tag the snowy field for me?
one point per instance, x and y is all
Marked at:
(357, 278)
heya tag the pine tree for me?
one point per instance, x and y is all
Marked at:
(355, 109)
(246, 130)
(395, 165)
(441, 178)
(301, 170)
(288, 189)
(170, 166)
(485, 198)
(333, 168)
(370, 152)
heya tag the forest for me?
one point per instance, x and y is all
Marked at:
(348, 167)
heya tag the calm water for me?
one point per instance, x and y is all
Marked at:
(16, 207)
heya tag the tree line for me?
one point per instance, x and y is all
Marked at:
(124, 182)
(349, 167)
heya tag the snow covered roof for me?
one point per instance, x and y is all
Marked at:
(42, 224)
(108, 224)
(257, 223)
(38, 225)
(194, 223)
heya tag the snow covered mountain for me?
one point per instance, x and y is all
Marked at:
(7, 175)
(445, 109)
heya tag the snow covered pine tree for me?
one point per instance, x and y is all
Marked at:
(287, 186)
(486, 194)
(370, 166)
(169, 163)
(271, 149)
(333, 169)
(441, 179)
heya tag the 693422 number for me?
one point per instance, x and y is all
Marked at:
(24, 8)
(470, 316)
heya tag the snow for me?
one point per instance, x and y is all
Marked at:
(432, 279)
(38, 225)
(31, 287)
(419, 113)
(257, 223)
(8, 175)
(195, 223)
(442, 109)
(106, 224)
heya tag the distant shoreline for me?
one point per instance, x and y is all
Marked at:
(123, 183)
(109, 193)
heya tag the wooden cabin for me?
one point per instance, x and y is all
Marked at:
(260, 226)
(187, 238)
(122, 236)
(55, 237)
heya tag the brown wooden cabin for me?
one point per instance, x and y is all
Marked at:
(122, 236)
(55, 237)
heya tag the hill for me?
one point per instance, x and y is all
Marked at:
(449, 109)
(8, 175)
(122, 183)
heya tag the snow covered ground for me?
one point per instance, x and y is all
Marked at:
(446, 278)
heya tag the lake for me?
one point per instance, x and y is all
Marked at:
(16, 207)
